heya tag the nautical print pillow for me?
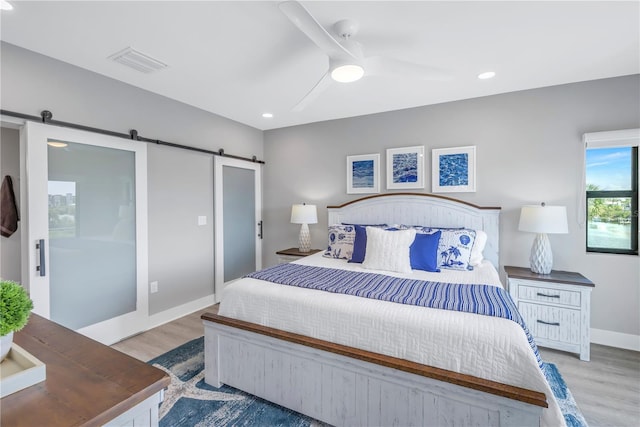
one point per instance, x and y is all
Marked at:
(454, 249)
(341, 238)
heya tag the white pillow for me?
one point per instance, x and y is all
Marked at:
(478, 246)
(388, 250)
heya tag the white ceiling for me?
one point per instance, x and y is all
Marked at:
(239, 59)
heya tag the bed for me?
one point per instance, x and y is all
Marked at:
(348, 360)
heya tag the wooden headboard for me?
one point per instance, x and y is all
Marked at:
(422, 209)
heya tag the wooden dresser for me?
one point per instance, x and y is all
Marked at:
(87, 384)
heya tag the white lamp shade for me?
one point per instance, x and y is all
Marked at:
(543, 219)
(304, 214)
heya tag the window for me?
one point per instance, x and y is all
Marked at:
(611, 174)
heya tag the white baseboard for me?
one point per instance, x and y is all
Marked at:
(615, 339)
(180, 311)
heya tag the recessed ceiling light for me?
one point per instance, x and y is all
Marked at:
(5, 5)
(487, 75)
(267, 115)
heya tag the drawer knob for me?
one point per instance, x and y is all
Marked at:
(548, 296)
(548, 323)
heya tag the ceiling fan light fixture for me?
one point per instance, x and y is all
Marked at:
(347, 73)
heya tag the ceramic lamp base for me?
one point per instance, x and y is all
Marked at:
(541, 259)
(304, 239)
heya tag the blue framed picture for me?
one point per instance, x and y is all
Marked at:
(453, 170)
(363, 173)
(405, 167)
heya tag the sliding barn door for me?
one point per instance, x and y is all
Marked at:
(87, 228)
(238, 210)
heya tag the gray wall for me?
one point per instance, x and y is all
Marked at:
(529, 150)
(180, 183)
(10, 165)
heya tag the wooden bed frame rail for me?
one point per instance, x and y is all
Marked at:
(342, 385)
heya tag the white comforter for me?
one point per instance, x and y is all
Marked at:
(483, 346)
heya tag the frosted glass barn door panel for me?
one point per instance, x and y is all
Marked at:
(87, 207)
(238, 220)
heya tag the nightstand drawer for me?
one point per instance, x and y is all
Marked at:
(548, 295)
(552, 323)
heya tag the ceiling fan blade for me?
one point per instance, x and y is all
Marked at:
(380, 66)
(320, 87)
(306, 23)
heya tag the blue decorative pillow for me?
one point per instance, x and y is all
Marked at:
(359, 245)
(341, 239)
(454, 250)
(424, 252)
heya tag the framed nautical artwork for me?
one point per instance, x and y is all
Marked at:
(453, 170)
(405, 168)
(363, 173)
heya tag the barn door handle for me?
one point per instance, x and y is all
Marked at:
(41, 266)
(260, 232)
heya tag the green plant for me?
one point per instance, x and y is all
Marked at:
(15, 307)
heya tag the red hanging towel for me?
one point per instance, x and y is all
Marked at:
(8, 209)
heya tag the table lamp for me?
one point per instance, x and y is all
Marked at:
(304, 214)
(543, 220)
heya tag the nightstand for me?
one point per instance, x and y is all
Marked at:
(293, 254)
(556, 307)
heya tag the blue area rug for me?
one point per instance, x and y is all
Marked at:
(189, 401)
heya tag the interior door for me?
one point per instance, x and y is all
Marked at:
(238, 212)
(87, 228)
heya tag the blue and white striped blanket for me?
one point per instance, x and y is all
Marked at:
(480, 299)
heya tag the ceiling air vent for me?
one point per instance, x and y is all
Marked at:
(137, 60)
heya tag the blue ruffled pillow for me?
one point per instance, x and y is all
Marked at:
(424, 252)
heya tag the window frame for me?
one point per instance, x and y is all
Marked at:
(612, 194)
(624, 138)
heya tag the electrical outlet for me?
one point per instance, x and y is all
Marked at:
(154, 287)
(202, 220)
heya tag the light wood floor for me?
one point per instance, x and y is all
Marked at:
(607, 389)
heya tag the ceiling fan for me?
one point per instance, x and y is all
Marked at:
(346, 60)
